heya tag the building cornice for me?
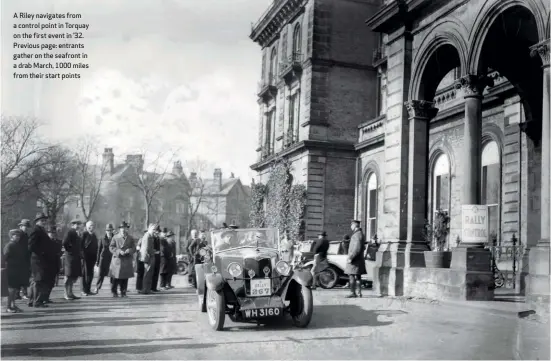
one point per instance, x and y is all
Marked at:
(373, 142)
(280, 12)
(306, 145)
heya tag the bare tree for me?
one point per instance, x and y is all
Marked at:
(197, 191)
(150, 181)
(21, 154)
(55, 181)
(90, 173)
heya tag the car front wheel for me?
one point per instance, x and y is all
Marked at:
(216, 309)
(302, 306)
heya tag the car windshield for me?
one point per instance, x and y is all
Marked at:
(225, 239)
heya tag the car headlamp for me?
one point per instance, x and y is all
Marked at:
(235, 269)
(283, 268)
(214, 269)
(202, 252)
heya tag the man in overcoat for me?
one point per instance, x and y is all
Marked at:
(355, 265)
(147, 256)
(73, 256)
(25, 227)
(320, 257)
(90, 254)
(104, 256)
(40, 248)
(122, 247)
(54, 262)
(168, 260)
(157, 251)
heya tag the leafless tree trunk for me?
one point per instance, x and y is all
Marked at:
(90, 173)
(197, 191)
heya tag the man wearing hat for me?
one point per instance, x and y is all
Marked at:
(147, 256)
(320, 257)
(40, 246)
(90, 256)
(157, 251)
(168, 259)
(54, 263)
(104, 256)
(15, 254)
(73, 256)
(355, 266)
(121, 269)
(25, 228)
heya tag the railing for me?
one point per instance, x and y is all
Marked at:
(507, 257)
(267, 151)
(445, 95)
(371, 129)
(293, 61)
(290, 138)
(265, 84)
(379, 54)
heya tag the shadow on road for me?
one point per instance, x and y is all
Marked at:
(86, 319)
(109, 346)
(97, 323)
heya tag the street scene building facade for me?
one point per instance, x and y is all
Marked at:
(427, 107)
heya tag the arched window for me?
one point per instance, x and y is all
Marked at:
(441, 185)
(297, 40)
(273, 66)
(371, 206)
(491, 184)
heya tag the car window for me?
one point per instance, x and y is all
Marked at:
(224, 239)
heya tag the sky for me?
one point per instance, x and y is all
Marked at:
(165, 76)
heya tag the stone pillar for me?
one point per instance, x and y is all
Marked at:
(420, 114)
(473, 86)
(538, 289)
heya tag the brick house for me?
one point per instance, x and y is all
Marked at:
(317, 86)
(221, 200)
(451, 110)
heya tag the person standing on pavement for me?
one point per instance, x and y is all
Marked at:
(355, 265)
(147, 256)
(72, 260)
(16, 253)
(25, 227)
(168, 260)
(122, 247)
(54, 263)
(157, 250)
(40, 247)
(320, 257)
(90, 256)
(192, 251)
(104, 256)
(139, 265)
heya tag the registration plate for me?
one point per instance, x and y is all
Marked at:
(262, 312)
(261, 287)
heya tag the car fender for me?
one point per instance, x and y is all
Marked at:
(200, 275)
(309, 264)
(215, 281)
(336, 264)
(304, 278)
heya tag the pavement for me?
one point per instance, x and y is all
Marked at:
(169, 326)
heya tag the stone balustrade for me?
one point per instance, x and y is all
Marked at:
(371, 129)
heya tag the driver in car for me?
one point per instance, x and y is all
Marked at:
(227, 240)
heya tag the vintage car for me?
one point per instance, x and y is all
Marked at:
(244, 277)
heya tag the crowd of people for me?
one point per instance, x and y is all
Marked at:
(34, 258)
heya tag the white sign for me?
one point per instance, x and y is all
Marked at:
(474, 223)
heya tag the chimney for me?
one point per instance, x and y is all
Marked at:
(135, 160)
(232, 176)
(108, 160)
(193, 179)
(218, 178)
(177, 169)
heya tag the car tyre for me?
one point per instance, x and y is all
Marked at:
(216, 309)
(329, 279)
(302, 306)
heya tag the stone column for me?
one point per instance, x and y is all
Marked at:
(538, 288)
(420, 114)
(472, 86)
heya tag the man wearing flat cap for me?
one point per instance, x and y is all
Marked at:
(320, 257)
(355, 266)
(90, 254)
(25, 227)
(104, 256)
(73, 256)
(121, 270)
(54, 263)
(39, 246)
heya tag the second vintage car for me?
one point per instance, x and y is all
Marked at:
(244, 277)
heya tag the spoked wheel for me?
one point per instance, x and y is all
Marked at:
(183, 268)
(216, 309)
(328, 278)
(302, 306)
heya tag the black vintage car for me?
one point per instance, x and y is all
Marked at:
(244, 277)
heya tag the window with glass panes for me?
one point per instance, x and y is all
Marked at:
(270, 131)
(273, 66)
(441, 185)
(296, 40)
(382, 93)
(491, 184)
(294, 104)
(371, 206)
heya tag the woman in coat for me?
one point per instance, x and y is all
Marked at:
(104, 256)
(122, 247)
(168, 260)
(355, 266)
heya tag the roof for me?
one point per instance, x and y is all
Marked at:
(211, 186)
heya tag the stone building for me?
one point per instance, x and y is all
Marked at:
(317, 85)
(466, 121)
(220, 200)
